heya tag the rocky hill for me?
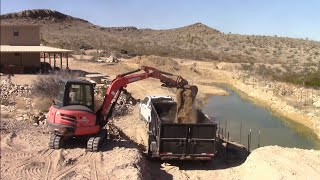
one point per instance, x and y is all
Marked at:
(40, 14)
(196, 41)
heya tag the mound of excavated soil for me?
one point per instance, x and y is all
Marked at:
(133, 128)
(273, 162)
(162, 63)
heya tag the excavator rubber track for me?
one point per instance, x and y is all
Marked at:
(94, 142)
(56, 141)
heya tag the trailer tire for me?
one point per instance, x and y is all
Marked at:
(149, 151)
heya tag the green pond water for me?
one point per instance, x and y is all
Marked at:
(237, 113)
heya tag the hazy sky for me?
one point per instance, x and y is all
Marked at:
(292, 18)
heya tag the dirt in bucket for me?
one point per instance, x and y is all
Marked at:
(186, 112)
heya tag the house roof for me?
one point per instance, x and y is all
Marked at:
(31, 49)
(19, 25)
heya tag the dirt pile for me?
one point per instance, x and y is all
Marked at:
(273, 162)
(186, 112)
(133, 127)
(162, 63)
(124, 104)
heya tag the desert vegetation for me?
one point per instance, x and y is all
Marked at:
(308, 76)
(47, 86)
(196, 41)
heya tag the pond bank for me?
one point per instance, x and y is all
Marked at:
(240, 116)
(276, 105)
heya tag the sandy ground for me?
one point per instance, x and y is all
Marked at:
(25, 153)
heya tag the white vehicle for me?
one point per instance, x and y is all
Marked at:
(146, 107)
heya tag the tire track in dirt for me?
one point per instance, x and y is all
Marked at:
(28, 168)
(73, 166)
(32, 169)
(16, 155)
(93, 170)
(8, 140)
(27, 156)
(48, 153)
(48, 170)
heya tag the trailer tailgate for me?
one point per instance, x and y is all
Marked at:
(187, 139)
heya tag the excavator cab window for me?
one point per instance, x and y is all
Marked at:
(80, 94)
(75, 94)
(60, 97)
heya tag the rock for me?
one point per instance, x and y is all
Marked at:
(25, 117)
(20, 118)
(36, 119)
(42, 118)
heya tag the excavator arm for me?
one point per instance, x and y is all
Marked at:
(122, 80)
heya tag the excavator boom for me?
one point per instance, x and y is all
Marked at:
(122, 80)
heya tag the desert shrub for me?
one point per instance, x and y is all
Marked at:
(248, 67)
(21, 103)
(48, 85)
(41, 104)
(310, 79)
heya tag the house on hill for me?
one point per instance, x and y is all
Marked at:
(21, 51)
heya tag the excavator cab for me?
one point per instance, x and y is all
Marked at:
(76, 93)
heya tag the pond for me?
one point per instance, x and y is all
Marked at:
(240, 115)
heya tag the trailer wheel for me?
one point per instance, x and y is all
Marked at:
(149, 151)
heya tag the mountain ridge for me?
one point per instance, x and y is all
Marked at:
(195, 41)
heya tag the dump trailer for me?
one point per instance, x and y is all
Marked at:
(168, 139)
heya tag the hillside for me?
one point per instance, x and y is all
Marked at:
(196, 41)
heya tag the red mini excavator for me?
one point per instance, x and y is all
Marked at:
(72, 114)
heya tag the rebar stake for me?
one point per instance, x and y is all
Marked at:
(248, 143)
(240, 130)
(259, 139)
(250, 139)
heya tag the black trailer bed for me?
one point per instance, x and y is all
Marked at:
(179, 140)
